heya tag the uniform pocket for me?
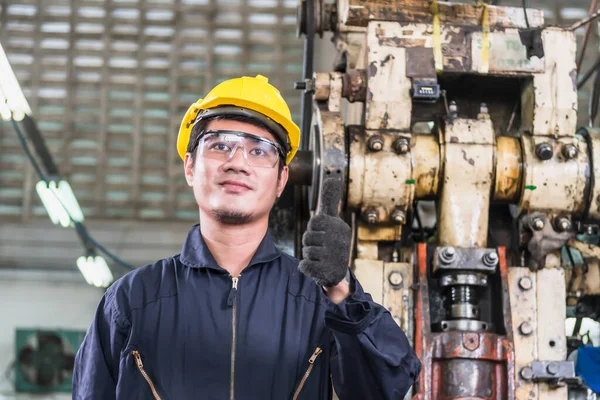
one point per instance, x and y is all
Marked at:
(311, 364)
(140, 366)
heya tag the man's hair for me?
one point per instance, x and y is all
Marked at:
(201, 126)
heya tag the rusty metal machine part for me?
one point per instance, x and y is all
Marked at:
(415, 130)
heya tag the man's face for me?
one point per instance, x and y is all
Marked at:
(232, 191)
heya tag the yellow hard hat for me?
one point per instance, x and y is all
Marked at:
(254, 97)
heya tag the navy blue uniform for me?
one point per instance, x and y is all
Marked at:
(183, 328)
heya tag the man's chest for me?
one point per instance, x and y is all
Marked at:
(251, 339)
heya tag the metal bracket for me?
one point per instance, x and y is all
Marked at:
(553, 372)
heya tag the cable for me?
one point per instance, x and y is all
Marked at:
(525, 12)
(81, 228)
(28, 152)
(78, 225)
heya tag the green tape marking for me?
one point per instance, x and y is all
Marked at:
(410, 181)
(531, 187)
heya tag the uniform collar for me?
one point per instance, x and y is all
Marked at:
(195, 252)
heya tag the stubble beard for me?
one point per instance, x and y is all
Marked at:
(227, 217)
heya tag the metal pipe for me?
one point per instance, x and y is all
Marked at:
(586, 36)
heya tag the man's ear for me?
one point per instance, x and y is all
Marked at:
(188, 166)
(283, 178)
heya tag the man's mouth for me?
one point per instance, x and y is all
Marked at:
(235, 186)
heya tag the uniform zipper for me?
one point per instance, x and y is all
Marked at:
(311, 364)
(233, 330)
(140, 365)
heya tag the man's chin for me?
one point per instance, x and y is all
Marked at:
(232, 217)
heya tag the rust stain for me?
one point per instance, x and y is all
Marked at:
(401, 42)
(469, 160)
(384, 120)
(387, 59)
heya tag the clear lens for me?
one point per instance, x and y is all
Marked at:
(222, 146)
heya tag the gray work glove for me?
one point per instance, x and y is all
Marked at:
(326, 242)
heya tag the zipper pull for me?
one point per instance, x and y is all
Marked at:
(233, 291)
(315, 355)
(138, 359)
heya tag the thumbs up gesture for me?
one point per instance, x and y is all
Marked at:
(326, 242)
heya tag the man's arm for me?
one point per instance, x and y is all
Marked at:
(97, 362)
(371, 357)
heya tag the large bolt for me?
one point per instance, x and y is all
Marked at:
(402, 145)
(525, 283)
(526, 328)
(375, 143)
(526, 373)
(398, 216)
(569, 151)
(562, 224)
(552, 368)
(490, 259)
(453, 109)
(395, 278)
(543, 151)
(538, 224)
(371, 215)
(447, 255)
(483, 109)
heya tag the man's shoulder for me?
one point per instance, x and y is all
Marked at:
(144, 285)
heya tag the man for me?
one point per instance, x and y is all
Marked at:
(231, 317)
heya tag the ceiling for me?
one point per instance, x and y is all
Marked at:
(109, 81)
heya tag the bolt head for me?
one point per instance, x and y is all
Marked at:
(569, 151)
(398, 217)
(371, 215)
(447, 255)
(402, 145)
(525, 283)
(526, 328)
(563, 224)
(543, 151)
(526, 373)
(490, 259)
(375, 143)
(538, 224)
(396, 278)
(552, 368)
(484, 281)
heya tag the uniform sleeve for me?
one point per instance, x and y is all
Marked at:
(97, 362)
(371, 357)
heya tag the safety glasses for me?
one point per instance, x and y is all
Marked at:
(222, 144)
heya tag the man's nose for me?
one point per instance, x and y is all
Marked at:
(237, 159)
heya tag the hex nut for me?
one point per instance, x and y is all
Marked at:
(525, 283)
(526, 328)
(395, 278)
(526, 373)
(569, 151)
(402, 145)
(375, 143)
(544, 151)
(398, 216)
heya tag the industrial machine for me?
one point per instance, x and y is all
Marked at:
(452, 129)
